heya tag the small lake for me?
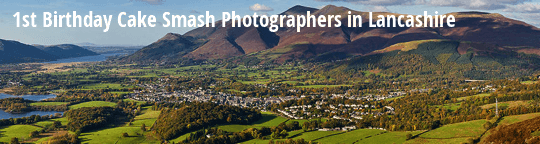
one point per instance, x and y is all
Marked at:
(28, 97)
(6, 115)
(96, 58)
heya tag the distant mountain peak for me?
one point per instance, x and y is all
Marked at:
(171, 36)
(299, 10)
(323, 43)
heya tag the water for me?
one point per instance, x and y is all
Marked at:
(97, 58)
(6, 115)
(28, 97)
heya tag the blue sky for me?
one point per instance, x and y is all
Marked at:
(525, 10)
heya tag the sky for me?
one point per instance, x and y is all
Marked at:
(524, 10)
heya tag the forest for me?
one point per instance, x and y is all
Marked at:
(88, 118)
(174, 122)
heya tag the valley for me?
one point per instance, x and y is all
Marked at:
(476, 83)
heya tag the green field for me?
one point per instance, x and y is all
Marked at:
(20, 131)
(114, 135)
(450, 106)
(351, 137)
(464, 129)
(308, 136)
(313, 135)
(130, 100)
(119, 93)
(48, 103)
(104, 86)
(389, 137)
(437, 141)
(46, 123)
(529, 82)
(517, 118)
(452, 133)
(478, 95)
(322, 86)
(93, 104)
(268, 120)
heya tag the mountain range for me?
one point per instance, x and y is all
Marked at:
(480, 33)
(16, 52)
(66, 51)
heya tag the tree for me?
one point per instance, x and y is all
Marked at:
(409, 136)
(143, 127)
(283, 134)
(34, 134)
(14, 140)
(57, 124)
(487, 125)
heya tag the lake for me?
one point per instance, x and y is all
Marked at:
(96, 58)
(6, 115)
(28, 97)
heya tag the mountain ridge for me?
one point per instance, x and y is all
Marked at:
(311, 42)
(66, 50)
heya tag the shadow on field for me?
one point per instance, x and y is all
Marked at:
(265, 118)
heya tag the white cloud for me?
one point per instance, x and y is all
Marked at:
(377, 9)
(471, 4)
(374, 2)
(467, 4)
(524, 8)
(260, 8)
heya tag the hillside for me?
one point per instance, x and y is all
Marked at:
(444, 58)
(170, 46)
(16, 52)
(66, 51)
(324, 44)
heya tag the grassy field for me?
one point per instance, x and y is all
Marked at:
(450, 106)
(268, 120)
(350, 137)
(119, 93)
(507, 120)
(308, 136)
(114, 135)
(313, 135)
(389, 137)
(529, 82)
(130, 100)
(104, 86)
(464, 129)
(436, 141)
(20, 131)
(508, 104)
(322, 86)
(452, 133)
(518, 118)
(93, 104)
(478, 95)
(48, 103)
(46, 123)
